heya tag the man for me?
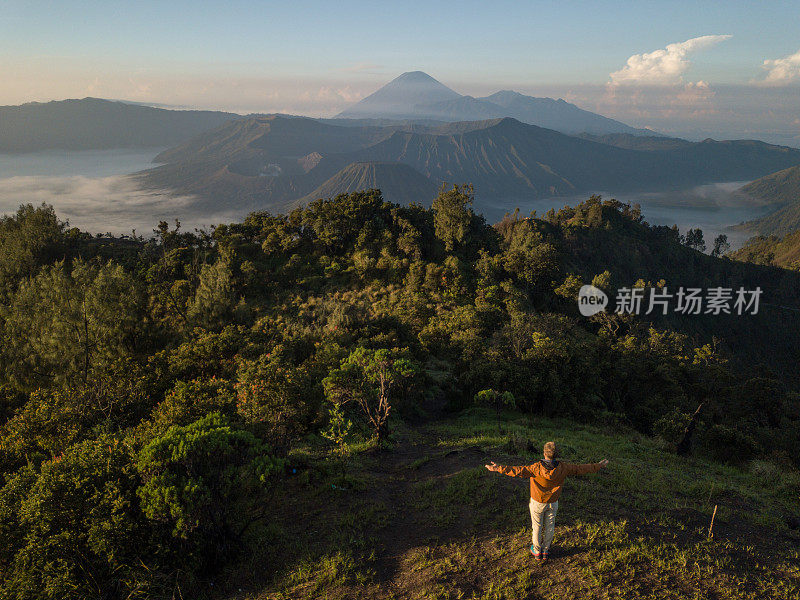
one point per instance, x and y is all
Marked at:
(547, 477)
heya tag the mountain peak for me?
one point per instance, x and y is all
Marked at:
(397, 98)
(415, 76)
(415, 95)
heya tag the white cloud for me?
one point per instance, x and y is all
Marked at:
(665, 66)
(783, 70)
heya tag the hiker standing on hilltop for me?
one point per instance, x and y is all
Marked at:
(547, 477)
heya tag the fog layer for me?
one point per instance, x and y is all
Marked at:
(92, 191)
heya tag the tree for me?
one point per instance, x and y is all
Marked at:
(29, 239)
(452, 215)
(214, 299)
(694, 239)
(369, 378)
(338, 221)
(62, 324)
(496, 400)
(529, 256)
(721, 245)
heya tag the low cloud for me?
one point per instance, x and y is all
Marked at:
(664, 66)
(363, 67)
(783, 70)
(333, 94)
(106, 204)
(687, 102)
(237, 91)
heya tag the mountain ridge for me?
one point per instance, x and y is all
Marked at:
(272, 162)
(398, 182)
(417, 95)
(782, 191)
(97, 124)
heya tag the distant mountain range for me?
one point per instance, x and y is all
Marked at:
(407, 139)
(418, 96)
(780, 190)
(277, 162)
(412, 98)
(91, 123)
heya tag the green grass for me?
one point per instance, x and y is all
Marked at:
(426, 520)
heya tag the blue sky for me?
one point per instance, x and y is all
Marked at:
(315, 57)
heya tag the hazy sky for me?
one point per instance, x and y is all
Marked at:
(691, 68)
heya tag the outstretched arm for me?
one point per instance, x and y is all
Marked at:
(586, 468)
(520, 471)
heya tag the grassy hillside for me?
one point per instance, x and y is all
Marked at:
(426, 520)
(272, 137)
(781, 190)
(778, 188)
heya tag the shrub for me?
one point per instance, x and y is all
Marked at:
(73, 530)
(205, 481)
(53, 419)
(728, 444)
(188, 401)
(672, 426)
(276, 396)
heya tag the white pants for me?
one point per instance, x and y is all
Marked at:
(543, 517)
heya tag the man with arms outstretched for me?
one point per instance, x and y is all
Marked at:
(547, 477)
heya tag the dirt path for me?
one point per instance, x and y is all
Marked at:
(424, 520)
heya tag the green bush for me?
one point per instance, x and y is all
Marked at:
(728, 444)
(73, 530)
(277, 397)
(188, 401)
(672, 426)
(206, 481)
(53, 419)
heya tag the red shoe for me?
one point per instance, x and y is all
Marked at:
(536, 555)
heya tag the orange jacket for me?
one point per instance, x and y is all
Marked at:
(546, 482)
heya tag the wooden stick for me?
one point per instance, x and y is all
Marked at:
(711, 527)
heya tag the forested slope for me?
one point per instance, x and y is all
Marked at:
(772, 250)
(159, 397)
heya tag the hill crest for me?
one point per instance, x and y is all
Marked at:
(97, 124)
